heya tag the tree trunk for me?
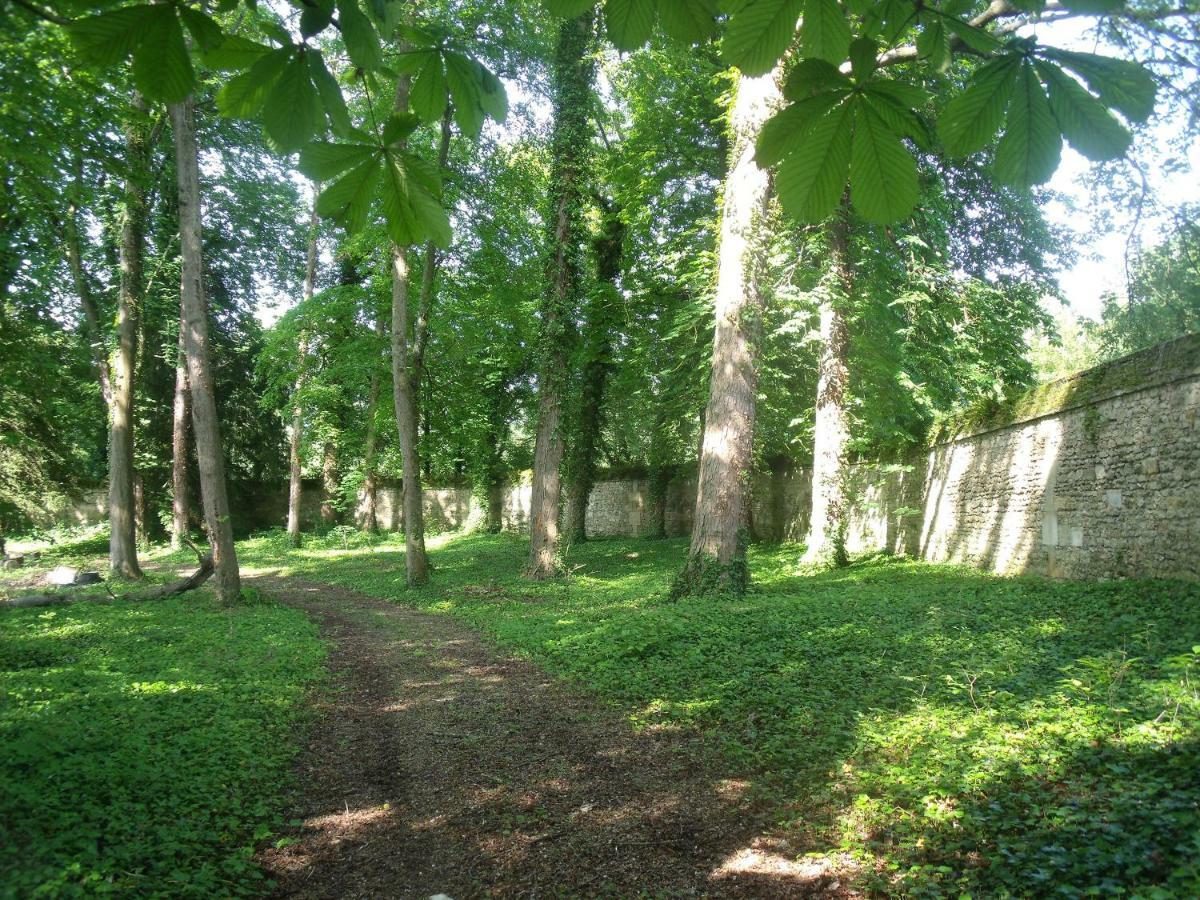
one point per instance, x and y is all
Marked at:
(205, 425)
(716, 561)
(654, 522)
(370, 521)
(574, 74)
(831, 434)
(330, 483)
(181, 501)
(296, 437)
(122, 542)
(601, 327)
(83, 288)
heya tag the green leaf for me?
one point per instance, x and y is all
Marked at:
(863, 54)
(812, 76)
(110, 37)
(785, 132)
(1031, 147)
(234, 53)
(758, 33)
(811, 180)
(1093, 6)
(933, 43)
(1083, 120)
(244, 96)
(973, 37)
(569, 9)
(293, 108)
(428, 95)
(206, 32)
(883, 174)
(971, 119)
(688, 21)
(348, 200)
(323, 160)
(825, 33)
(494, 98)
(330, 93)
(162, 68)
(898, 115)
(414, 215)
(1120, 84)
(315, 17)
(362, 43)
(398, 127)
(629, 22)
(466, 90)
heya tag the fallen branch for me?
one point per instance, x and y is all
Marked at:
(182, 586)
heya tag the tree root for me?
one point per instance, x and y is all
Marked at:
(182, 586)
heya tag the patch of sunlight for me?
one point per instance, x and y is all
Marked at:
(166, 687)
(662, 710)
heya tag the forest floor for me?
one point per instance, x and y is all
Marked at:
(890, 728)
(440, 765)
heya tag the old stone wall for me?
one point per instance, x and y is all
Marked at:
(1097, 475)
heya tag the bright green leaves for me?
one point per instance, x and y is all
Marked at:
(758, 33)
(153, 36)
(1011, 92)
(292, 91)
(824, 32)
(971, 119)
(831, 138)
(362, 43)
(630, 23)
(362, 171)
(441, 75)
(1031, 147)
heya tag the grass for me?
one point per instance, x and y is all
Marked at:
(956, 732)
(146, 746)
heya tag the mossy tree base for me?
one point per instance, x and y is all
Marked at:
(706, 576)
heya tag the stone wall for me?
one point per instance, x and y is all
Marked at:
(1096, 475)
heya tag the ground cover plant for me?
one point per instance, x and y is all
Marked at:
(146, 745)
(954, 731)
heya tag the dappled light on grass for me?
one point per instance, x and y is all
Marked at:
(924, 720)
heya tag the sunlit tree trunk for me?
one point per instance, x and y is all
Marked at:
(573, 77)
(181, 501)
(370, 519)
(296, 435)
(831, 433)
(716, 562)
(330, 483)
(122, 517)
(603, 320)
(205, 424)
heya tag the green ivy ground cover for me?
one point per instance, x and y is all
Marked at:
(954, 731)
(146, 746)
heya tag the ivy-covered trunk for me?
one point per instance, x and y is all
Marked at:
(602, 321)
(574, 72)
(370, 502)
(181, 501)
(122, 519)
(716, 561)
(205, 425)
(296, 435)
(831, 433)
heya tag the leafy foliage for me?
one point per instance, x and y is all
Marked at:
(146, 745)
(921, 718)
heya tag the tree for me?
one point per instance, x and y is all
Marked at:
(295, 436)
(205, 425)
(572, 78)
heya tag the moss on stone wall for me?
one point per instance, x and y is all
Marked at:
(1155, 365)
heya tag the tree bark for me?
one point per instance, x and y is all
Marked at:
(83, 288)
(831, 433)
(296, 437)
(122, 542)
(205, 424)
(574, 74)
(330, 483)
(181, 501)
(371, 448)
(408, 360)
(716, 561)
(602, 324)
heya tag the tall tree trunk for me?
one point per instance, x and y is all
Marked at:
(831, 433)
(654, 521)
(573, 77)
(370, 519)
(122, 515)
(330, 483)
(296, 438)
(716, 561)
(408, 360)
(83, 288)
(602, 323)
(205, 425)
(181, 501)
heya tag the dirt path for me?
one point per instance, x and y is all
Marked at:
(437, 765)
